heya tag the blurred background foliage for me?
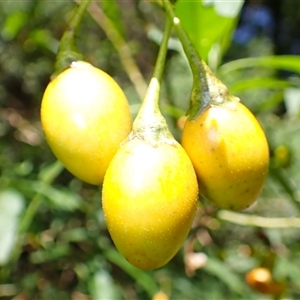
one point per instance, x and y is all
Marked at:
(53, 239)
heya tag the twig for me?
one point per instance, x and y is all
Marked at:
(121, 47)
(257, 221)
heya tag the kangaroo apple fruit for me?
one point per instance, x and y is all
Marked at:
(85, 116)
(230, 154)
(150, 189)
(149, 201)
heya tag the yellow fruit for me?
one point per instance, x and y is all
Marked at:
(85, 116)
(230, 154)
(149, 201)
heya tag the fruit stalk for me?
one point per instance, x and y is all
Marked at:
(207, 88)
(68, 52)
(149, 124)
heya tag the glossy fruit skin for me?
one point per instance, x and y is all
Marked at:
(230, 154)
(149, 201)
(85, 116)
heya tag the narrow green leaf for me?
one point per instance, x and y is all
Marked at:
(13, 24)
(44, 38)
(143, 278)
(49, 173)
(102, 286)
(51, 254)
(271, 102)
(288, 267)
(281, 62)
(11, 206)
(219, 269)
(258, 83)
(74, 235)
(60, 198)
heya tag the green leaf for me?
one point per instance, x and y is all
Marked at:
(219, 269)
(11, 206)
(51, 254)
(74, 235)
(44, 38)
(63, 199)
(102, 286)
(258, 83)
(14, 24)
(143, 278)
(288, 267)
(209, 24)
(50, 172)
(271, 102)
(281, 62)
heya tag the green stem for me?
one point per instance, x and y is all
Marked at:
(248, 220)
(47, 176)
(143, 279)
(149, 123)
(207, 89)
(67, 52)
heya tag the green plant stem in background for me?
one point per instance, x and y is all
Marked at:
(279, 175)
(283, 62)
(48, 176)
(67, 52)
(207, 89)
(122, 48)
(144, 279)
(149, 123)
